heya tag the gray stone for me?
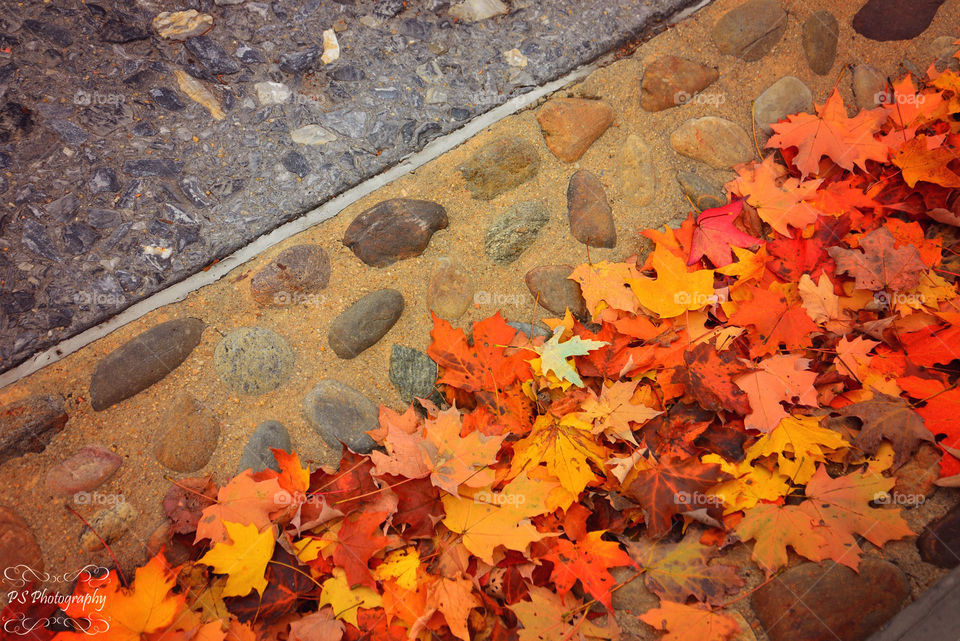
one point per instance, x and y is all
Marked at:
(167, 99)
(28, 425)
(295, 163)
(253, 360)
(712, 140)
(69, 132)
(312, 135)
(142, 361)
(498, 166)
(476, 10)
(869, 86)
(786, 96)
(165, 167)
(256, 454)
(413, 373)
(36, 240)
(638, 174)
(211, 55)
(272, 93)
(299, 61)
(510, 234)
(341, 414)
(110, 524)
(120, 31)
(814, 602)
(393, 230)
(188, 434)
(89, 468)
(190, 186)
(550, 287)
(701, 193)
(365, 322)
(589, 213)
(18, 546)
(63, 208)
(750, 30)
(939, 543)
(671, 81)
(942, 50)
(103, 180)
(532, 331)
(295, 272)
(820, 34)
(450, 290)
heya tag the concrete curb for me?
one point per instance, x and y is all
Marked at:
(935, 616)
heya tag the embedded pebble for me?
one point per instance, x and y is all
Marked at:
(180, 25)
(110, 523)
(253, 360)
(550, 287)
(292, 276)
(312, 135)
(939, 543)
(89, 468)
(188, 434)
(701, 193)
(514, 231)
(820, 34)
(638, 174)
(365, 322)
(589, 213)
(393, 230)
(450, 290)
(476, 10)
(272, 93)
(27, 425)
(671, 81)
(18, 545)
(199, 94)
(500, 165)
(786, 96)
(570, 125)
(869, 86)
(341, 414)
(750, 30)
(886, 20)
(413, 373)
(714, 141)
(256, 455)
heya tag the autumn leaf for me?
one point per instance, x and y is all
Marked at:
(400, 566)
(549, 616)
(566, 447)
(780, 201)
(776, 320)
(748, 485)
(687, 622)
(715, 234)
(669, 489)
(848, 142)
(709, 378)
(554, 355)
(588, 560)
(778, 379)
(927, 158)
(803, 439)
(774, 528)
(605, 285)
(890, 418)
(243, 559)
(455, 460)
(880, 265)
(483, 527)
(612, 411)
(358, 540)
(345, 600)
(675, 289)
(819, 300)
(244, 501)
(316, 625)
(454, 598)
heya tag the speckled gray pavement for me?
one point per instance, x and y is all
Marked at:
(115, 183)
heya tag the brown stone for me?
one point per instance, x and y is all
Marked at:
(712, 140)
(591, 219)
(939, 543)
(297, 270)
(450, 291)
(365, 322)
(87, 469)
(638, 173)
(820, 34)
(17, 545)
(110, 524)
(28, 425)
(570, 125)
(813, 602)
(188, 435)
(393, 230)
(917, 476)
(671, 81)
(550, 287)
(499, 166)
(750, 30)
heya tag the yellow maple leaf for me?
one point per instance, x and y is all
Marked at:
(484, 526)
(603, 285)
(336, 592)
(750, 484)
(612, 411)
(675, 289)
(243, 559)
(750, 265)
(780, 204)
(401, 566)
(565, 447)
(804, 439)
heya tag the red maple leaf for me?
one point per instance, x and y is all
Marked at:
(715, 234)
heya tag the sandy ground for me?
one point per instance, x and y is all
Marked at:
(129, 428)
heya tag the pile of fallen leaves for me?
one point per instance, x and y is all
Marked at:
(758, 379)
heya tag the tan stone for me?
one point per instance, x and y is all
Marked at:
(450, 291)
(570, 125)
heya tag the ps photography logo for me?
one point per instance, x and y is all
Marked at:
(85, 98)
(23, 578)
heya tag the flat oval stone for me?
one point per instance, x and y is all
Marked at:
(17, 544)
(253, 360)
(701, 193)
(939, 543)
(786, 96)
(393, 230)
(498, 166)
(365, 322)
(750, 30)
(715, 141)
(142, 361)
(869, 86)
(570, 125)
(671, 81)
(550, 287)
(450, 290)
(28, 425)
(189, 433)
(412, 372)
(110, 523)
(82, 472)
(885, 20)
(256, 454)
(836, 603)
(591, 219)
(638, 174)
(301, 269)
(341, 414)
(820, 34)
(511, 233)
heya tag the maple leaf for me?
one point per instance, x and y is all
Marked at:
(316, 625)
(612, 411)
(400, 566)
(774, 527)
(748, 267)
(483, 364)
(675, 289)
(776, 320)
(709, 377)
(677, 571)
(890, 418)
(358, 539)
(588, 560)
(934, 345)
(715, 234)
(880, 265)
(403, 456)
(669, 489)
(483, 527)
(605, 285)
(926, 158)
(346, 601)
(778, 379)
(244, 501)
(554, 355)
(686, 622)
(454, 598)
(418, 506)
(243, 559)
(547, 617)
(749, 484)
(456, 460)
(780, 202)
(185, 501)
(846, 141)
(287, 583)
(566, 447)
(804, 439)
(819, 301)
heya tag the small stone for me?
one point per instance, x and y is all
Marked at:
(296, 271)
(295, 163)
(211, 55)
(671, 81)
(166, 98)
(532, 331)
(476, 10)
(18, 546)
(869, 86)
(253, 360)
(300, 61)
(190, 186)
(939, 543)
(570, 125)
(413, 373)
(87, 469)
(450, 291)
(180, 25)
(312, 135)
(103, 180)
(331, 48)
(786, 96)
(916, 479)
(142, 361)
(341, 414)
(63, 208)
(510, 234)
(110, 524)
(146, 167)
(515, 58)
(68, 131)
(750, 30)
(256, 454)
(188, 434)
(500, 165)
(941, 49)
(365, 322)
(638, 174)
(820, 34)
(28, 425)
(885, 20)
(119, 31)
(199, 93)
(715, 141)
(550, 287)
(868, 598)
(393, 230)
(272, 93)
(703, 194)
(591, 219)
(247, 54)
